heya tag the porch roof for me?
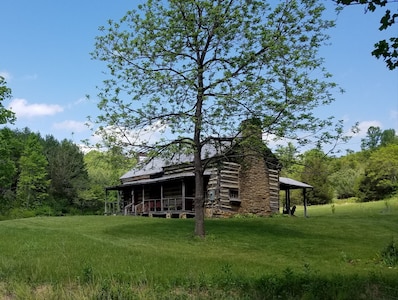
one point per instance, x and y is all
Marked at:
(286, 183)
(163, 178)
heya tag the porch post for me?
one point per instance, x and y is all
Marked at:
(161, 197)
(183, 194)
(106, 202)
(143, 198)
(305, 202)
(132, 201)
(287, 201)
(118, 202)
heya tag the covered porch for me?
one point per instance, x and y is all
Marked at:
(288, 184)
(166, 196)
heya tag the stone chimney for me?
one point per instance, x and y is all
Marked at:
(254, 189)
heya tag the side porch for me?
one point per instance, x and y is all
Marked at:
(155, 197)
(182, 207)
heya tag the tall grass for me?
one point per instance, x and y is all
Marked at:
(335, 253)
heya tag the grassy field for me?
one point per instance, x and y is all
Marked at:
(335, 253)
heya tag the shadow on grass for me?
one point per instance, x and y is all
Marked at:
(237, 229)
(226, 285)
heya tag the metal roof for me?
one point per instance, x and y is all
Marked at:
(288, 183)
(157, 179)
(157, 164)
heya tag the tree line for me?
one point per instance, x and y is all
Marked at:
(367, 175)
(44, 176)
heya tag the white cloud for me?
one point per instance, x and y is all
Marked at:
(71, 125)
(147, 135)
(22, 108)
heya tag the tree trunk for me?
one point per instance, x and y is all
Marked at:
(198, 164)
(199, 197)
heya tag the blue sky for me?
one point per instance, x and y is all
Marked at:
(45, 58)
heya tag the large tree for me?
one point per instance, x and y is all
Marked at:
(386, 49)
(200, 67)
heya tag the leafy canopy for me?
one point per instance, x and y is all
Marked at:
(381, 174)
(208, 65)
(33, 182)
(386, 49)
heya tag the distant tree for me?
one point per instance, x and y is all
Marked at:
(375, 138)
(380, 178)
(200, 67)
(316, 172)
(372, 139)
(346, 173)
(105, 169)
(287, 156)
(99, 176)
(344, 182)
(33, 182)
(388, 137)
(67, 171)
(8, 169)
(7, 165)
(388, 50)
(14, 141)
(6, 116)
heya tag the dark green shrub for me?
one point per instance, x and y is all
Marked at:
(389, 254)
(19, 213)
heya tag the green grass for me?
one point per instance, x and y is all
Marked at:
(335, 253)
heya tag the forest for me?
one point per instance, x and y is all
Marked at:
(44, 176)
(366, 175)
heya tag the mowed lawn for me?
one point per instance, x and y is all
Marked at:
(88, 256)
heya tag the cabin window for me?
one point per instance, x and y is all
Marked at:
(233, 194)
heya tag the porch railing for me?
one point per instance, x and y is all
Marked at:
(164, 205)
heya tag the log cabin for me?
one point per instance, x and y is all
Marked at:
(239, 178)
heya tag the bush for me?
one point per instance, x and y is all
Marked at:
(19, 213)
(389, 254)
(44, 211)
